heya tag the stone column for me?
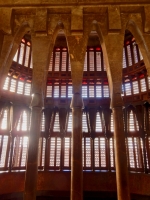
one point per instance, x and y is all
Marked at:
(113, 58)
(32, 164)
(40, 54)
(120, 155)
(76, 192)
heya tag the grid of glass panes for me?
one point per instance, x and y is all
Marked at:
(59, 60)
(55, 152)
(15, 85)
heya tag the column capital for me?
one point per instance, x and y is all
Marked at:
(77, 101)
(116, 100)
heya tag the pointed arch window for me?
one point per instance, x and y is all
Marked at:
(84, 123)
(98, 122)
(56, 127)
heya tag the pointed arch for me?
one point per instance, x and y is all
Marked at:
(138, 34)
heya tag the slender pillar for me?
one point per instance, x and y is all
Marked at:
(32, 164)
(76, 156)
(40, 54)
(120, 155)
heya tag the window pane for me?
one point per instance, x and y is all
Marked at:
(124, 59)
(15, 57)
(20, 87)
(21, 54)
(4, 120)
(98, 123)
(6, 84)
(135, 52)
(12, 85)
(98, 91)
(4, 143)
(64, 61)
(84, 91)
(67, 152)
(49, 91)
(98, 61)
(91, 91)
(27, 56)
(106, 90)
(128, 89)
(85, 63)
(135, 87)
(63, 91)
(56, 91)
(129, 55)
(27, 89)
(91, 61)
(70, 91)
(57, 61)
(56, 127)
(84, 123)
(51, 63)
(143, 85)
(69, 127)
